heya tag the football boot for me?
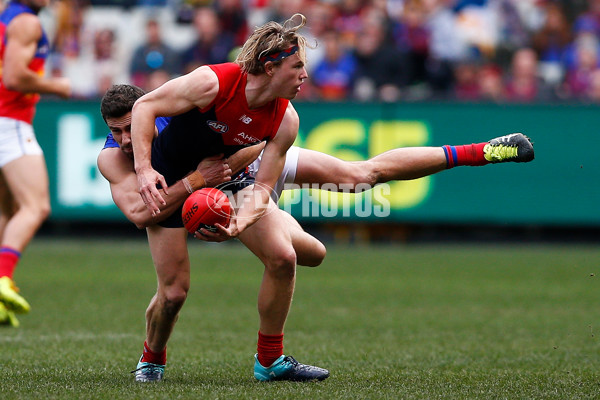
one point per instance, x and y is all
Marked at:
(9, 295)
(286, 368)
(515, 147)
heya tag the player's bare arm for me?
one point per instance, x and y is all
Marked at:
(22, 34)
(117, 168)
(118, 171)
(196, 89)
(272, 163)
(242, 158)
(215, 170)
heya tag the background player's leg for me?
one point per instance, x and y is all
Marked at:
(8, 206)
(27, 180)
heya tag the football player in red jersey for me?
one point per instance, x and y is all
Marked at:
(220, 109)
(23, 51)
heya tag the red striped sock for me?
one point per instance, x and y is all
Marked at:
(468, 154)
(149, 356)
(8, 261)
(270, 348)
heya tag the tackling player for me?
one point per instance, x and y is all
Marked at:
(26, 201)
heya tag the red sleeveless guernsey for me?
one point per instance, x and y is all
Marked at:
(224, 126)
(14, 104)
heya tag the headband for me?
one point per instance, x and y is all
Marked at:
(280, 55)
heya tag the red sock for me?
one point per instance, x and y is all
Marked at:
(8, 261)
(270, 348)
(468, 154)
(155, 358)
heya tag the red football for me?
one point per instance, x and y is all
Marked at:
(204, 208)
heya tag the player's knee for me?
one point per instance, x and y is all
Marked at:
(173, 299)
(39, 211)
(39, 214)
(314, 257)
(282, 263)
(44, 211)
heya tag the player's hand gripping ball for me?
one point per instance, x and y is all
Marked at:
(204, 208)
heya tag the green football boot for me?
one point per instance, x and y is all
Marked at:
(515, 147)
(9, 295)
(7, 317)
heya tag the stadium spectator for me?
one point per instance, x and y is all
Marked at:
(591, 16)
(447, 46)
(523, 83)
(578, 78)
(320, 16)
(157, 78)
(347, 21)
(412, 36)
(334, 76)
(154, 55)
(234, 20)
(281, 10)
(490, 83)
(212, 45)
(381, 70)
(477, 22)
(69, 21)
(107, 67)
(551, 43)
(24, 51)
(512, 33)
(98, 66)
(584, 31)
(593, 92)
(467, 81)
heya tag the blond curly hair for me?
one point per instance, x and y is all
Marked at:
(268, 39)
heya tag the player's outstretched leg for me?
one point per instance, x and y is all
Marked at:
(7, 317)
(515, 147)
(10, 297)
(286, 368)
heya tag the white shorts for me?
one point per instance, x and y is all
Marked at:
(17, 139)
(288, 175)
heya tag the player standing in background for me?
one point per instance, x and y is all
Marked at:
(23, 51)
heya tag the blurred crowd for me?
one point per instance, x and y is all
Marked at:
(364, 50)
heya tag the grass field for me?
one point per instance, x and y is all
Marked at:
(401, 322)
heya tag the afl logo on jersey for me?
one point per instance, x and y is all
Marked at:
(217, 126)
